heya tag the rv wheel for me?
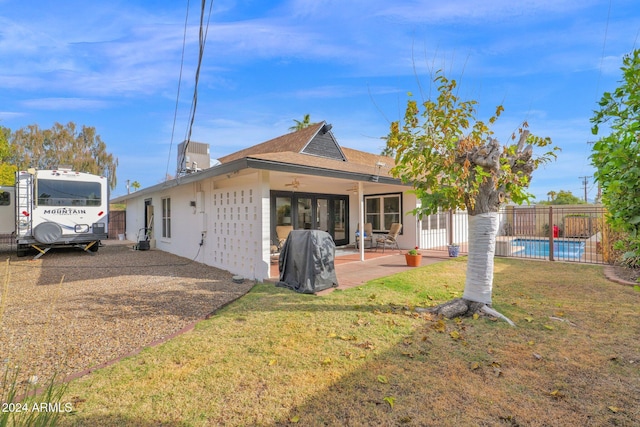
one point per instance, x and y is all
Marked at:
(94, 247)
(21, 251)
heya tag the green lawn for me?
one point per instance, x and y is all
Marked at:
(363, 357)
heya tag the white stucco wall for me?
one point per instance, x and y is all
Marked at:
(134, 218)
(409, 237)
(231, 219)
(238, 226)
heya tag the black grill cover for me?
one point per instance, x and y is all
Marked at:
(306, 262)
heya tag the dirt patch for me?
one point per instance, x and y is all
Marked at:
(70, 312)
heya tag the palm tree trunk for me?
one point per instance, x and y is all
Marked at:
(483, 229)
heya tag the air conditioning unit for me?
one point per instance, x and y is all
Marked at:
(193, 157)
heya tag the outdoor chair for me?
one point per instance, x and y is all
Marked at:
(282, 232)
(390, 239)
(368, 236)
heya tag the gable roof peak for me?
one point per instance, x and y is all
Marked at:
(295, 142)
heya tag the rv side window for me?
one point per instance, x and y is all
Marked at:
(68, 193)
(5, 198)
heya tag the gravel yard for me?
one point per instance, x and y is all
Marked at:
(69, 312)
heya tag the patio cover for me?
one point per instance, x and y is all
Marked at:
(306, 262)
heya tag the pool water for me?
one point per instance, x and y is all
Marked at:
(562, 249)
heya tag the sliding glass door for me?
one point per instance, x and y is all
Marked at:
(310, 211)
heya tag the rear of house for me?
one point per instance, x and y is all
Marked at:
(227, 216)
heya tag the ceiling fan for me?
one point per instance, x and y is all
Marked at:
(294, 184)
(353, 188)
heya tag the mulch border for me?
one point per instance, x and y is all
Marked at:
(610, 274)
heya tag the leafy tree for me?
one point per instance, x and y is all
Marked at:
(7, 169)
(135, 185)
(453, 162)
(306, 121)
(82, 149)
(616, 155)
(563, 197)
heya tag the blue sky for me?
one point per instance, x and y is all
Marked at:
(116, 66)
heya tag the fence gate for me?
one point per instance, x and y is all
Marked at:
(117, 223)
(524, 221)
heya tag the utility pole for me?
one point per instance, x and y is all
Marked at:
(585, 181)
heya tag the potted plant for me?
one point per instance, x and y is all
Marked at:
(454, 249)
(413, 257)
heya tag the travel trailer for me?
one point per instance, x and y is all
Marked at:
(55, 208)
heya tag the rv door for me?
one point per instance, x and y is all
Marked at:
(7, 210)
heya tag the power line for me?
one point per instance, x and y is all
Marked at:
(175, 113)
(604, 45)
(602, 56)
(204, 31)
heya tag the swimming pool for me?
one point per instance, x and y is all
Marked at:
(562, 249)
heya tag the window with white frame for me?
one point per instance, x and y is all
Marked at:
(166, 217)
(383, 210)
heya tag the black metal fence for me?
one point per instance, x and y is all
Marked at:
(574, 233)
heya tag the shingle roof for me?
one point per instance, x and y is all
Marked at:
(292, 142)
(288, 149)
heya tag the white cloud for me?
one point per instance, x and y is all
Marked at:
(118, 53)
(64, 104)
(472, 11)
(7, 115)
